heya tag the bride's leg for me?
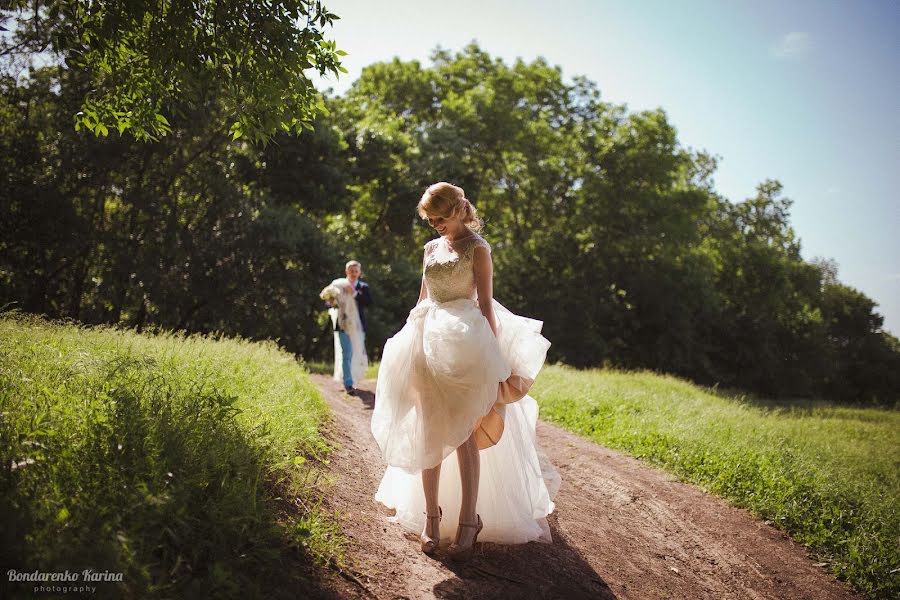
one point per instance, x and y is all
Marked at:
(430, 480)
(469, 473)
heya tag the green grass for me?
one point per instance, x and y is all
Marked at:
(828, 475)
(192, 465)
(327, 368)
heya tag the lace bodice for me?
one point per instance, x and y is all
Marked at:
(449, 274)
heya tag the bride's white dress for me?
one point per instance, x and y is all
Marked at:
(439, 375)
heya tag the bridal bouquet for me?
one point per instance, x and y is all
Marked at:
(342, 306)
(330, 293)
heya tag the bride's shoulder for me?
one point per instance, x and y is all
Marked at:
(478, 241)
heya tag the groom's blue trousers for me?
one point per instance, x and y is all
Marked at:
(346, 358)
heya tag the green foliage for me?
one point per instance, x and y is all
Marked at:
(143, 57)
(826, 474)
(602, 225)
(189, 464)
(168, 233)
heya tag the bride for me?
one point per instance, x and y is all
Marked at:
(455, 379)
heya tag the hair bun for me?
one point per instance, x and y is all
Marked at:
(448, 200)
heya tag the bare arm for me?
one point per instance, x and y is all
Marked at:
(423, 291)
(484, 284)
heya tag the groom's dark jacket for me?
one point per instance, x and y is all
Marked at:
(363, 299)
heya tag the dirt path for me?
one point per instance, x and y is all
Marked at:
(620, 530)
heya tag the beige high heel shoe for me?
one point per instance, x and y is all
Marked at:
(429, 544)
(461, 553)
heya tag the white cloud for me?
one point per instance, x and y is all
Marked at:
(792, 45)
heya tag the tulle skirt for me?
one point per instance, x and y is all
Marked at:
(438, 377)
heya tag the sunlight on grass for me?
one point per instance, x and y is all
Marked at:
(327, 368)
(192, 465)
(829, 475)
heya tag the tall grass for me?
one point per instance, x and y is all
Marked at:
(829, 475)
(327, 368)
(188, 464)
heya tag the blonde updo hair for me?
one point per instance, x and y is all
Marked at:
(449, 201)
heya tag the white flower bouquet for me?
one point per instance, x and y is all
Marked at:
(342, 306)
(330, 294)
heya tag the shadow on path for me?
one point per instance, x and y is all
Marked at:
(366, 397)
(533, 570)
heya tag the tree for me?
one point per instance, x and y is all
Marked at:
(603, 226)
(177, 233)
(144, 57)
(865, 360)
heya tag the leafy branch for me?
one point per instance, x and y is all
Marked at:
(145, 55)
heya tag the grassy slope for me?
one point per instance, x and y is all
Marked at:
(162, 457)
(188, 464)
(828, 475)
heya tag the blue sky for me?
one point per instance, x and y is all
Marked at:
(800, 91)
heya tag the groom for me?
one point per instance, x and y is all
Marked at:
(363, 297)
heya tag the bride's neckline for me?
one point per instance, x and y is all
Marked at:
(465, 237)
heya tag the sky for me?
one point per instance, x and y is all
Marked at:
(806, 92)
